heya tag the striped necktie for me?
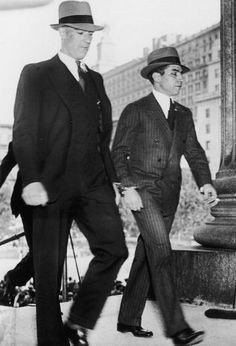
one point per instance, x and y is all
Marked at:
(81, 74)
(171, 115)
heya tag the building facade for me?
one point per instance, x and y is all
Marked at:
(200, 91)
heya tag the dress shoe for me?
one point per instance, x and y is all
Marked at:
(188, 337)
(135, 330)
(76, 337)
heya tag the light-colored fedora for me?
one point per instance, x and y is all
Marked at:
(76, 14)
(162, 57)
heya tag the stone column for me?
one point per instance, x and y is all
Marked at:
(222, 231)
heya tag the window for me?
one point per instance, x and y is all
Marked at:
(207, 113)
(190, 77)
(208, 128)
(207, 145)
(190, 88)
(197, 86)
(190, 100)
(209, 57)
(183, 91)
(217, 73)
(217, 87)
(197, 74)
(190, 64)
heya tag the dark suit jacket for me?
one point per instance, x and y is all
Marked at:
(47, 97)
(147, 154)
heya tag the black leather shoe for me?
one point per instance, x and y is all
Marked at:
(135, 330)
(188, 337)
(76, 337)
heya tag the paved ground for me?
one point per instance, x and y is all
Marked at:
(17, 327)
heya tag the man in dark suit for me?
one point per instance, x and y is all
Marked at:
(147, 149)
(23, 271)
(61, 138)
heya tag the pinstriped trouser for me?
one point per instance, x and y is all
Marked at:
(152, 266)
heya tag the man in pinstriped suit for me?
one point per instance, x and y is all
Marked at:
(152, 135)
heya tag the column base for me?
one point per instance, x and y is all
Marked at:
(204, 274)
(220, 233)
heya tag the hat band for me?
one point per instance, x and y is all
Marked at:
(169, 59)
(80, 19)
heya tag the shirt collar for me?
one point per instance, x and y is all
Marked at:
(163, 100)
(70, 62)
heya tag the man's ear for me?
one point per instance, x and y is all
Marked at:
(62, 31)
(156, 77)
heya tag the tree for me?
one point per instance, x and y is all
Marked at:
(192, 211)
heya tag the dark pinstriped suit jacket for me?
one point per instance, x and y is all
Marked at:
(147, 153)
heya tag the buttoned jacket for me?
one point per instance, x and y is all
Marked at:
(147, 153)
(47, 97)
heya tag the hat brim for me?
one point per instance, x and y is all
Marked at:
(80, 26)
(145, 72)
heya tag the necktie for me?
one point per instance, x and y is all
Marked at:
(81, 74)
(171, 115)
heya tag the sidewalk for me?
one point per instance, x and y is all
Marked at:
(218, 332)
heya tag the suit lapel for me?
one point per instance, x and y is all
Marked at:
(65, 84)
(180, 122)
(178, 132)
(96, 82)
(156, 113)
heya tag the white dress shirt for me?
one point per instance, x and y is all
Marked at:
(163, 100)
(71, 64)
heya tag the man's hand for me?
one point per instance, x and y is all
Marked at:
(209, 194)
(117, 193)
(132, 199)
(35, 194)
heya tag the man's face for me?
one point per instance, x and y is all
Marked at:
(170, 82)
(76, 42)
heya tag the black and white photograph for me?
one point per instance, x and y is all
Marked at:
(118, 173)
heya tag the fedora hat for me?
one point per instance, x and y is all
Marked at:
(162, 57)
(76, 14)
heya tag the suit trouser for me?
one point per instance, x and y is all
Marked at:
(152, 266)
(98, 216)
